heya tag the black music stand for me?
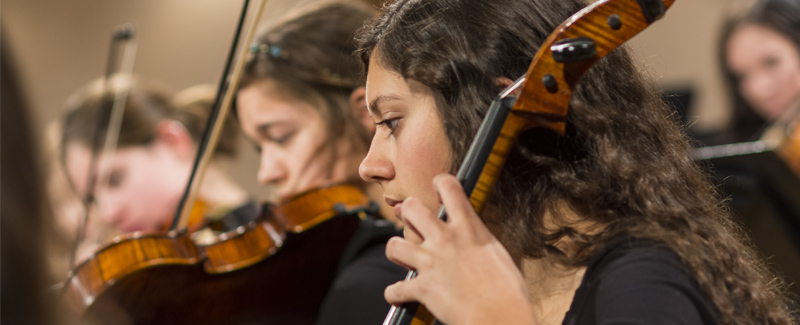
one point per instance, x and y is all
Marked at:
(764, 196)
(755, 164)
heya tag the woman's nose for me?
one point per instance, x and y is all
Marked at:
(271, 170)
(376, 166)
(761, 86)
(110, 212)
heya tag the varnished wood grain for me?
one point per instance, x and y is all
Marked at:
(144, 276)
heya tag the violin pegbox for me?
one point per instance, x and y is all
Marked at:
(575, 46)
(573, 50)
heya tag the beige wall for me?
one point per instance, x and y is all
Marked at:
(62, 44)
(680, 51)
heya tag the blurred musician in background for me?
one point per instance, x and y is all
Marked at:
(760, 55)
(140, 185)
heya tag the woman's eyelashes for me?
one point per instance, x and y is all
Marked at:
(389, 123)
(278, 140)
(282, 139)
(770, 62)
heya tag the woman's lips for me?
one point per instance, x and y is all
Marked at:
(396, 205)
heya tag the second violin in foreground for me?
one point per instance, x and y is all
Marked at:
(273, 270)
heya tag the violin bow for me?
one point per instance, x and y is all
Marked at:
(544, 95)
(216, 119)
(110, 119)
(120, 96)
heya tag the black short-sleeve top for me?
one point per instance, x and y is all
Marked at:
(634, 281)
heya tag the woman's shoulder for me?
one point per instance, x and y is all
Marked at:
(639, 281)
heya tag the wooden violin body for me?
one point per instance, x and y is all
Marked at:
(789, 150)
(275, 270)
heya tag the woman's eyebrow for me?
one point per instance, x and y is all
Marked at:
(373, 106)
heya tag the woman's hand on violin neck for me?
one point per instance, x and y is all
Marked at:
(465, 275)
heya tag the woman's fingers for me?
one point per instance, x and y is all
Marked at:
(405, 291)
(459, 209)
(421, 219)
(396, 294)
(406, 254)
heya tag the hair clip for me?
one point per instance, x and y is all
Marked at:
(271, 50)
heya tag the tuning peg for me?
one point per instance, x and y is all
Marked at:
(652, 9)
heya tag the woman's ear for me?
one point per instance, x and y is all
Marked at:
(358, 102)
(176, 137)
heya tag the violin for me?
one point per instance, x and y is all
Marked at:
(540, 99)
(781, 138)
(271, 270)
(275, 270)
(784, 138)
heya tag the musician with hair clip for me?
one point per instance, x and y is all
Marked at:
(301, 103)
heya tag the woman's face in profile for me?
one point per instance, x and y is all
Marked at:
(767, 67)
(410, 146)
(140, 187)
(292, 139)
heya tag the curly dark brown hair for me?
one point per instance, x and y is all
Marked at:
(624, 162)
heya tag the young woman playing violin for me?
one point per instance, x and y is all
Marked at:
(759, 54)
(611, 222)
(301, 103)
(146, 176)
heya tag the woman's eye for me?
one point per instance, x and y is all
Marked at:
(770, 62)
(282, 140)
(115, 178)
(391, 124)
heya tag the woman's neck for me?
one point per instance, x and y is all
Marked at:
(551, 288)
